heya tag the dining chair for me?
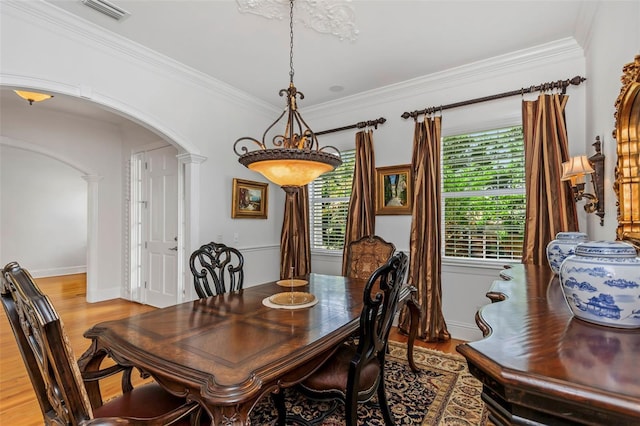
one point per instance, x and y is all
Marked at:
(216, 269)
(55, 375)
(367, 254)
(364, 256)
(355, 372)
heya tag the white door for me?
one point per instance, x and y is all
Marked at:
(160, 225)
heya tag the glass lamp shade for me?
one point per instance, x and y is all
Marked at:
(33, 96)
(575, 169)
(290, 167)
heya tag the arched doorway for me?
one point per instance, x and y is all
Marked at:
(102, 247)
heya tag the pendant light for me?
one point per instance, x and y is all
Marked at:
(296, 158)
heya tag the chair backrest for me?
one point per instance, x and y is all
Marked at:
(45, 349)
(367, 254)
(381, 297)
(216, 269)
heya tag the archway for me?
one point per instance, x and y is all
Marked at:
(189, 186)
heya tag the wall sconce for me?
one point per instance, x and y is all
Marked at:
(575, 170)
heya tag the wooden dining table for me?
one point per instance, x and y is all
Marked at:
(229, 351)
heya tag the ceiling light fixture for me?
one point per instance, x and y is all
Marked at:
(33, 96)
(297, 159)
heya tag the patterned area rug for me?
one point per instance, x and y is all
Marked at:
(442, 393)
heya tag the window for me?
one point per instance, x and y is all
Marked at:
(329, 203)
(483, 194)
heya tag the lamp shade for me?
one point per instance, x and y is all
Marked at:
(290, 167)
(575, 169)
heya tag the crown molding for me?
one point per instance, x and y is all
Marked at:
(544, 54)
(61, 22)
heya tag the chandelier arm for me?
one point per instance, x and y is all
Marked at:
(279, 140)
(298, 134)
(244, 149)
(313, 144)
(333, 148)
(264, 135)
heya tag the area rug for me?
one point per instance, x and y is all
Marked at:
(443, 392)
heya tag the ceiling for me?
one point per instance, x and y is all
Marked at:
(396, 40)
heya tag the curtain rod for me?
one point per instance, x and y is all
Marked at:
(562, 84)
(359, 125)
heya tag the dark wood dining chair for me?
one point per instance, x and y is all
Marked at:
(216, 269)
(367, 254)
(55, 375)
(355, 372)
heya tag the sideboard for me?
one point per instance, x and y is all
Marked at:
(539, 365)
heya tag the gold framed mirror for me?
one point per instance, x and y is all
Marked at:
(627, 134)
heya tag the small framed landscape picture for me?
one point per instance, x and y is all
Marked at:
(249, 199)
(394, 190)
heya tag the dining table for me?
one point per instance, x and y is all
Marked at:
(229, 351)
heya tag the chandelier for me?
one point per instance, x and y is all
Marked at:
(297, 158)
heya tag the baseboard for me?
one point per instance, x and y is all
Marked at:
(104, 294)
(457, 330)
(462, 331)
(56, 272)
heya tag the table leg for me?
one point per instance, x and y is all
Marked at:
(230, 415)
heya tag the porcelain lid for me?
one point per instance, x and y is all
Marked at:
(572, 236)
(605, 249)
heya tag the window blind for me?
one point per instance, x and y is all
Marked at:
(329, 197)
(483, 193)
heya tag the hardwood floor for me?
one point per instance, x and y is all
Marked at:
(18, 404)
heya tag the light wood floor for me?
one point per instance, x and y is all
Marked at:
(18, 404)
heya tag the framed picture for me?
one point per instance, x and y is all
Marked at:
(394, 190)
(249, 199)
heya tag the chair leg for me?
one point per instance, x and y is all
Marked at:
(351, 406)
(384, 406)
(414, 315)
(278, 401)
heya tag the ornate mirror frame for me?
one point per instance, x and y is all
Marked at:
(627, 174)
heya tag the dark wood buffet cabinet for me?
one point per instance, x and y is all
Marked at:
(539, 365)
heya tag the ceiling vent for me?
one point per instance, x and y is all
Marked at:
(107, 8)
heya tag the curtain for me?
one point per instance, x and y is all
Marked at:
(295, 248)
(361, 216)
(425, 240)
(550, 204)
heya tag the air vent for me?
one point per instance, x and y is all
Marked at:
(107, 8)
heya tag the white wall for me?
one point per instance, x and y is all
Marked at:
(93, 147)
(612, 40)
(44, 213)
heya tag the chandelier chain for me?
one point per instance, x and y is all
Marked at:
(291, 41)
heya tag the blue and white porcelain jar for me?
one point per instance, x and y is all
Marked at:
(563, 246)
(601, 283)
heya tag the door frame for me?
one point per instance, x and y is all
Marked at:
(188, 226)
